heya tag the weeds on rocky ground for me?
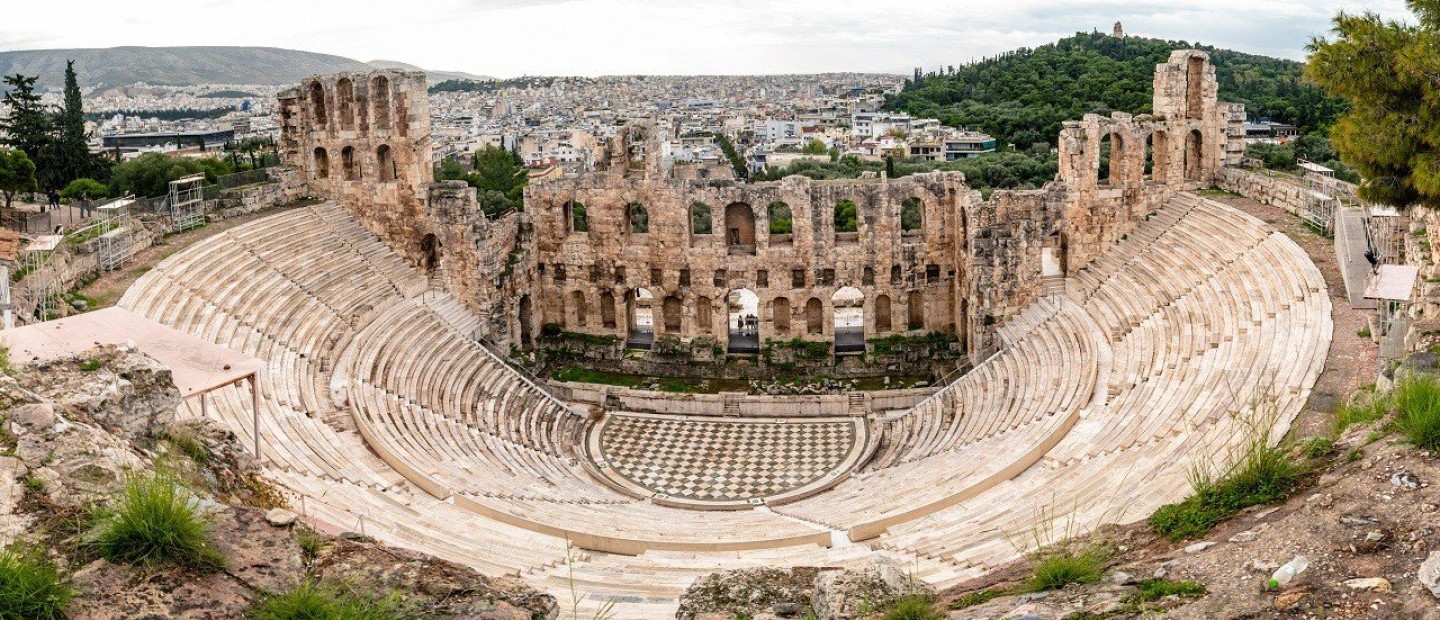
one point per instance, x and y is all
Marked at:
(311, 600)
(1062, 565)
(977, 598)
(1151, 590)
(913, 607)
(1260, 473)
(309, 541)
(31, 586)
(1416, 401)
(1361, 408)
(184, 439)
(1317, 447)
(153, 521)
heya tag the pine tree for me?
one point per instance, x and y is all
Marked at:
(1386, 71)
(28, 127)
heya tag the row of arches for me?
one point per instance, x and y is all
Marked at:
(345, 104)
(1113, 150)
(645, 314)
(351, 168)
(740, 219)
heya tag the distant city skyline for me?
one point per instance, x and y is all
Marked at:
(598, 37)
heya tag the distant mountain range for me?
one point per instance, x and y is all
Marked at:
(182, 66)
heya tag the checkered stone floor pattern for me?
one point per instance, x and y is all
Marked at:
(722, 460)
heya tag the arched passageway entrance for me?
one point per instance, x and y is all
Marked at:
(743, 306)
(849, 309)
(640, 317)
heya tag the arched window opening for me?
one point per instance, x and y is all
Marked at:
(322, 164)
(640, 315)
(778, 213)
(380, 101)
(916, 310)
(385, 163)
(882, 313)
(896, 275)
(849, 310)
(639, 219)
(607, 309)
(912, 215)
(1110, 150)
(345, 103)
(780, 315)
(526, 338)
(674, 314)
(348, 163)
(317, 104)
(575, 217)
(740, 228)
(582, 310)
(846, 217)
(814, 316)
(743, 309)
(700, 219)
(1194, 155)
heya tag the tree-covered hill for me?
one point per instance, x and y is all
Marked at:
(1021, 97)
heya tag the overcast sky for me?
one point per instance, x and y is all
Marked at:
(594, 37)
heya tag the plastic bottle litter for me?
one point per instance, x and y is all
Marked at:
(1287, 573)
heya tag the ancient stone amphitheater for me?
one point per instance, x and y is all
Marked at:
(382, 412)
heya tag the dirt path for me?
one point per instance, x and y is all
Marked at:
(108, 288)
(1351, 362)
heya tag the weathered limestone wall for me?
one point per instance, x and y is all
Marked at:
(588, 279)
(1271, 189)
(363, 140)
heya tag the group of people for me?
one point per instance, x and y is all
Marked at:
(749, 325)
(52, 199)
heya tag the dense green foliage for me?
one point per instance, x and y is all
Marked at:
(845, 216)
(313, 601)
(782, 222)
(913, 607)
(490, 86)
(17, 174)
(1416, 401)
(497, 174)
(1263, 474)
(1006, 170)
(68, 157)
(1387, 71)
(1071, 562)
(31, 586)
(1150, 590)
(150, 174)
(737, 163)
(1022, 97)
(154, 522)
(85, 188)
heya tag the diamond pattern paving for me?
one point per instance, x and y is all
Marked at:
(723, 460)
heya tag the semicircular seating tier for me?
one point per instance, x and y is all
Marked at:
(380, 412)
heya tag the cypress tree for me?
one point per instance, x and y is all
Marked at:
(71, 158)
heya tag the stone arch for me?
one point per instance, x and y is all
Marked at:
(740, 227)
(607, 309)
(915, 308)
(322, 163)
(385, 163)
(912, 215)
(742, 309)
(430, 252)
(640, 315)
(882, 313)
(582, 309)
(317, 104)
(526, 337)
(780, 315)
(1111, 159)
(345, 103)
(380, 102)
(848, 309)
(702, 221)
(674, 311)
(348, 164)
(576, 220)
(814, 316)
(637, 218)
(1194, 155)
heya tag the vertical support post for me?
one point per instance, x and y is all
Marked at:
(5, 307)
(205, 405)
(255, 413)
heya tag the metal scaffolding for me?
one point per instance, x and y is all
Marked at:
(114, 245)
(41, 274)
(187, 203)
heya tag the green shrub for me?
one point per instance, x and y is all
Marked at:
(184, 440)
(1262, 474)
(1066, 564)
(315, 601)
(913, 607)
(1361, 408)
(976, 598)
(153, 522)
(1155, 589)
(31, 587)
(1316, 447)
(1417, 405)
(89, 188)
